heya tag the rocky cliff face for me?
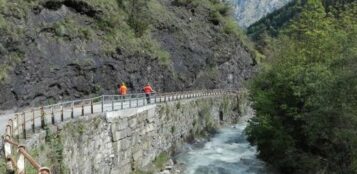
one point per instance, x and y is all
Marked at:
(250, 11)
(66, 49)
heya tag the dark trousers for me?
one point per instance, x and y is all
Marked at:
(148, 98)
(122, 97)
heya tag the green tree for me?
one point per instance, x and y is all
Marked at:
(306, 101)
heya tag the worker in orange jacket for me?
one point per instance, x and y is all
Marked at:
(148, 90)
(123, 90)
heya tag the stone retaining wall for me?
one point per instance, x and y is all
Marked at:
(119, 142)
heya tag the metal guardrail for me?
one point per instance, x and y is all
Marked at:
(34, 118)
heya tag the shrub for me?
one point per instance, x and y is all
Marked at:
(215, 17)
(182, 2)
(160, 160)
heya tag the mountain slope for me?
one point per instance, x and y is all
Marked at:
(65, 49)
(250, 11)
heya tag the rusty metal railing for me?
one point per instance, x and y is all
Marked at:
(35, 118)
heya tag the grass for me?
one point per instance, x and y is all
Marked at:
(10, 60)
(70, 28)
(173, 129)
(53, 152)
(142, 172)
(51, 156)
(178, 105)
(161, 160)
(221, 14)
(157, 165)
(2, 165)
(10, 57)
(119, 34)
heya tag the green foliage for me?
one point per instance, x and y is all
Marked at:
(220, 14)
(69, 28)
(138, 12)
(142, 172)
(10, 34)
(54, 152)
(81, 128)
(160, 160)
(178, 105)
(306, 101)
(10, 60)
(126, 27)
(275, 20)
(2, 165)
(173, 129)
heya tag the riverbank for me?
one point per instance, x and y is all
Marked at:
(226, 152)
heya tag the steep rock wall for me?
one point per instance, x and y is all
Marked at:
(66, 49)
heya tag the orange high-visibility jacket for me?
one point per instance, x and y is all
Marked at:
(148, 89)
(123, 90)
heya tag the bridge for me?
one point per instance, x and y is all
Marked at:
(21, 125)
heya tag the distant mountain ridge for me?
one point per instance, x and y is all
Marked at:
(248, 12)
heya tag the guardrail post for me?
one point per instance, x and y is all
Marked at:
(21, 161)
(122, 103)
(29, 158)
(24, 125)
(160, 98)
(155, 99)
(165, 98)
(7, 131)
(130, 102)
(82, 109)
(42, 118)
(12, 128)
(33, 120)
(91, 106)
(10, 165)
(113, 103)
(144, 101)
(102, 103)
(17, 127)
(44, 170)
(72, 110)
(53, 116)
(62, 114)
(137, 102)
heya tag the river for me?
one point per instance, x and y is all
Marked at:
(227, 152)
